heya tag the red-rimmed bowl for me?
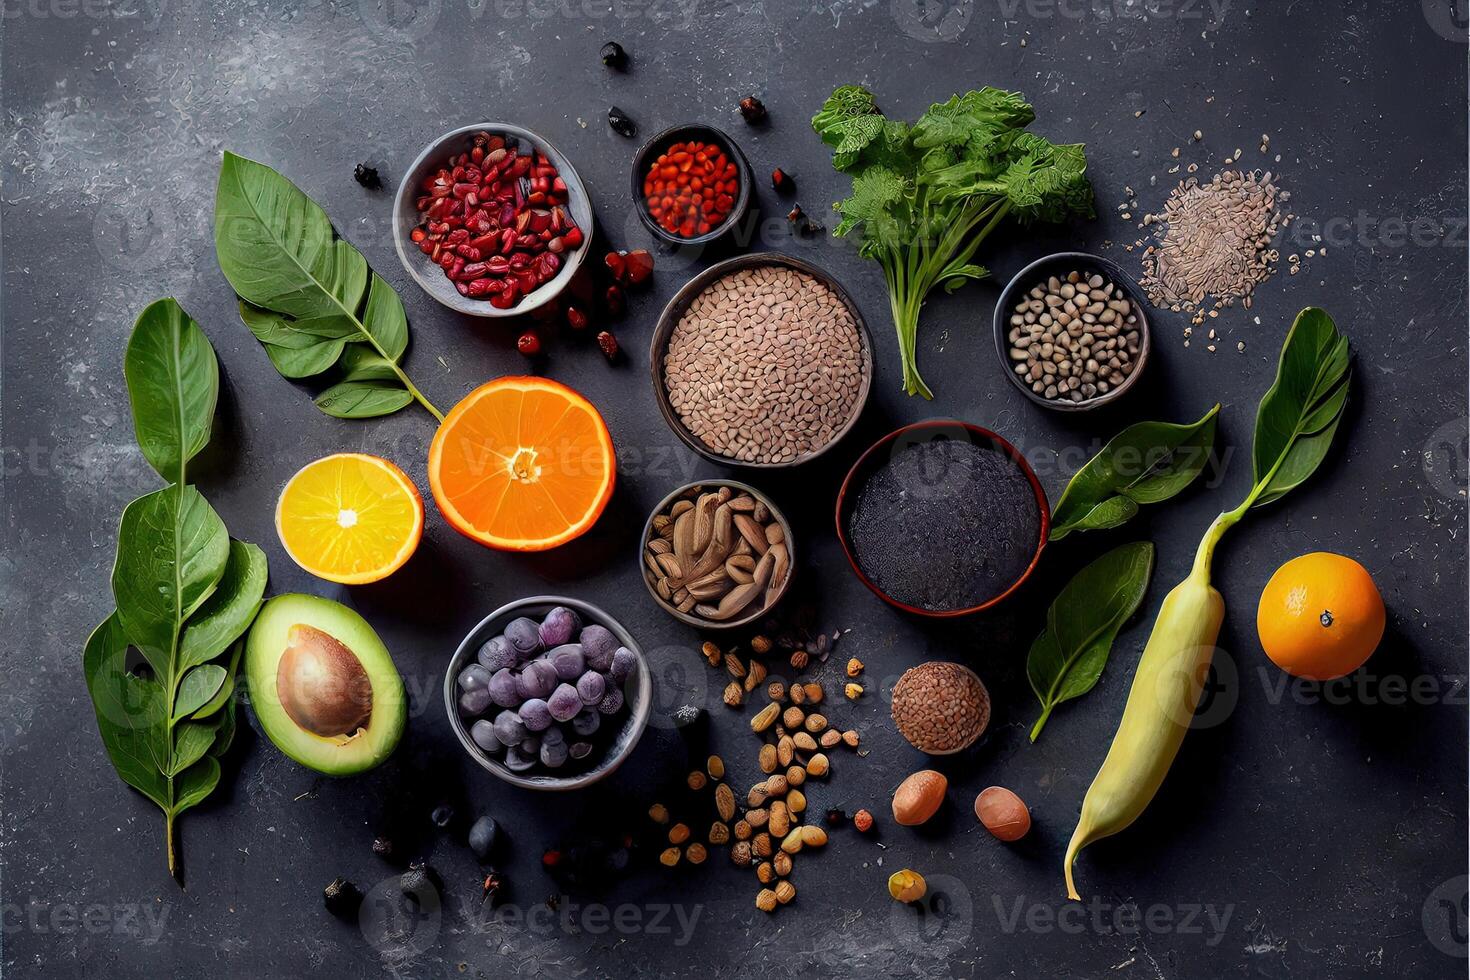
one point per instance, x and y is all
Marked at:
(917, 433)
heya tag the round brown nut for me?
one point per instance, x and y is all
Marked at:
(740, 853)
(850, 738)
(715, 766)
(785, 892)
(719, 833)
(696, 780)
(776, 785)
(940, 707)
(813, 692)
(742, 830)
(815, 723)
(780, 822)
(776, 691)
(798, 694)
(1003, 813)
(760, 845)
(813, 836)
(795, 776)
(781, 861)
(830, 738)
(669, 857)
(767, 758)
(765, 717)
(785, 749)
(792, 842)
(817, 765)
(725, 801)
(765, 900)
(695, 853)
(765, 873)
(804, 741)
(793, 717)
(758, 817)
(658, 813)
(678, 833)
(796, 801)
(919, 797)
(734, 695)
(757, 795)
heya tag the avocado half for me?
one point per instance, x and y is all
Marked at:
(323, 685)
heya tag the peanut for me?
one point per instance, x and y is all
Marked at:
(767, 758)
(804, 741)
(725, 801)
(781, 861)
(785, 749)
(765, 717)
(795, 776)
(793, 717)
(813, 836)
(796, 801)
(817, 765)
(758, 817)
(919, 797)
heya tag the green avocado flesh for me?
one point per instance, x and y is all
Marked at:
(323, 685)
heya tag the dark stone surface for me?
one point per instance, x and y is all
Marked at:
(1326, 836)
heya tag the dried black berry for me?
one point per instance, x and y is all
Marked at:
(620, 123)
(383, 847)
(419, 877)
(613, 56)
(483, 836)
(753, 109)
(442, 816)
(367, 177)
(835, 817)
(342, 898)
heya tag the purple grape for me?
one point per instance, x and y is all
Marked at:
(591, 686)
(518, 761)
(587, 722)
(612, 702)
(503, 688)
(580, 750)
(537, 679)
(509, 728)
(531, 744)
(554, 754)
(564, 703)
(536, 715)
(558, 626)
(474, 702)
(568, 661)
(598, 645)
(483, 733)
(496, 654)
(524, 636)
(623, 663)
(473, 677)
(553, 736)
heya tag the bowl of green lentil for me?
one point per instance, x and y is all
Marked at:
(1072, 331)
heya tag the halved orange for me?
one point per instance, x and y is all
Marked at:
(522, 464)
(350, 518)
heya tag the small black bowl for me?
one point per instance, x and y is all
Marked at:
(682, 134)
(1060, 264)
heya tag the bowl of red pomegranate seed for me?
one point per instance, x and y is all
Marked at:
(492, 220)
(691, 184)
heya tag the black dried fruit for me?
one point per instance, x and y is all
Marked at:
(342, 898)
(367, 177)
(835, 817)
(753, 109)
(483, 836)
(608, 344)
(781, 181)
(613, 56)
(419, 877)
(383, 847)
(442, 816)
(620, 123)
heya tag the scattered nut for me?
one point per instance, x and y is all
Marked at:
(795, 776)
(798, 694)
(785, 892)
(793, 717)
(740, 853)
(830, 739)
(711, 653)
(734, 666)
(725, 801)
(776, 785)
(905, 886)
(780, 823)
(854, 667)
(757, 796)
(742, 830)
(658, 813)
(863, 821)
(853, 691)
(785, 750)
(719, 833)
(678, 833)
(815, 723)
(755, 673)
(919, 797)
(695, 853)
(792, 842)
(767, 758)
(760, 645)
(813, 692)
(796, 801)
(799, 659)
(696, 780)
(850, 738)
(765, 873)
(817, 765)
(734, 695)
(781, 861)
(760, 845)
(765, 900)
(804, 742)
(776, 691)
(765, 717)
(1003, 813)
(813, 836)
(669, 857)
(715, 766)
(758, 817)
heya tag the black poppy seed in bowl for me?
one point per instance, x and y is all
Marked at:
(945, 524)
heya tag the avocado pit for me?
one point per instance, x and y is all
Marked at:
(322, 685)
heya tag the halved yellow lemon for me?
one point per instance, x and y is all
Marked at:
(350, 518)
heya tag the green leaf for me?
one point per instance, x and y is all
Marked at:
(1299, 415)
(171, 552)
(362, 399)
(195, 783)
(307, 293)
(1146, 463)
(173, 384)
(1068, 657)
(198, 688)
(131, 715)
(362, 363)
(230, 609)
(191, 741)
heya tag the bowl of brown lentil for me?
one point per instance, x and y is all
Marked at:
(1072, 332)
(716, 554)
(762, 360)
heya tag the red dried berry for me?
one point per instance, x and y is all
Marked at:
(639, 265)
(529, 344)
(863, 821)
(576, 318)
(616, 264)
(609, 345)
(613, 301)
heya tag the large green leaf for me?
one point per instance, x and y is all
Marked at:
(198, 688)
(1068, 657)
(173, 383)
(362, 399)
(229, 610)
(131, 712)
(1146, 463)
(171, 552)
(307, 293)
(1298, 416)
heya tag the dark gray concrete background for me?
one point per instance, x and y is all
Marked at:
(1297, 836)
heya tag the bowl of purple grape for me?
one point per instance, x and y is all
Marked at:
(548, 693)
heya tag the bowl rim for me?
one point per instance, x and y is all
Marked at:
(412, 259)
(679, 302)
(699, 621)
(1028, 276)
(742, 194)
(999, 442)
(640, 706)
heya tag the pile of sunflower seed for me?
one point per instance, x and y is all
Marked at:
(1074, 337)
(1213, 239)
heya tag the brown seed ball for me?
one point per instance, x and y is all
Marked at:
(1003, 813)
(940, 707)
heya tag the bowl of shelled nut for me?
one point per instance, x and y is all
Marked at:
(1071, 331)
(716, 554)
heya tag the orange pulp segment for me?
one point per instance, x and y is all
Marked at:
(350, 518)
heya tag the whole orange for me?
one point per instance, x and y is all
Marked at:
(1320, 616)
